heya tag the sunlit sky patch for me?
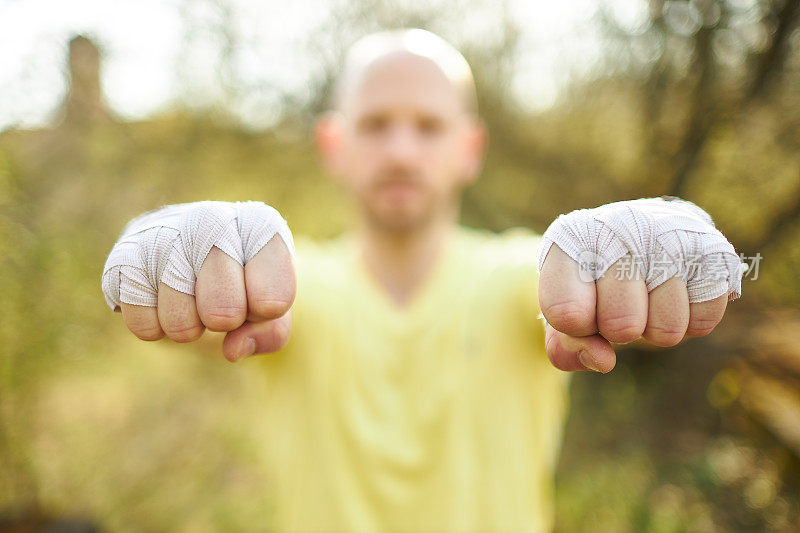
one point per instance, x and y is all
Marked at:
(160, 52)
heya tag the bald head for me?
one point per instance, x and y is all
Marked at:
(405, 138)
(376, 50)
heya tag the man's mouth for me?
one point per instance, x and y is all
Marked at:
(398, 190)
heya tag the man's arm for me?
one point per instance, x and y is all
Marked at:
(223, 266)
(654, 268)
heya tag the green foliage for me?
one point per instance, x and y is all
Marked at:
(160, 437)
(91, 421)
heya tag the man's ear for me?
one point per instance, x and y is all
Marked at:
(476, 139)
(329, 140)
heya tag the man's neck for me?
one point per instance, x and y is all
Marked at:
(401, 261)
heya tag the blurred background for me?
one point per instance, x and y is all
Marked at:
(109, 109)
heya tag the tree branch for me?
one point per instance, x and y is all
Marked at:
(780, 224)
(702, 112)
(771, 60)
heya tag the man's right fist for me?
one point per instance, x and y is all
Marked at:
(183, 268)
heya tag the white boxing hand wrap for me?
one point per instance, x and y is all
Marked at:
(665, 237)
(170, 244)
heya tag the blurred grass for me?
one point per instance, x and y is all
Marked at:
(151, 437)
(93, 422)
(155, 436)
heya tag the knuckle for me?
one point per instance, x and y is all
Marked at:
(558, 356)
(571, 315)
(555, 355)
(275, 335)
(701, 326)
(550, 346)
(279, 336)
(664, 336)
(621, 328)
(224, 318)
(269, 307)
(147, 333)
(557, 361)
(186, 331)
(142, 325)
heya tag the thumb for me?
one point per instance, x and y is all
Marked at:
(578, 353)
(257, 337)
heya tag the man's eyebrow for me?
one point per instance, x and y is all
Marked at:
(372, 114)
(370, 117)
(417, 115)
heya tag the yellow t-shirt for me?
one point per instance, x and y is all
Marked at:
(444, 415)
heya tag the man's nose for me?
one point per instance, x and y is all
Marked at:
(402, 144)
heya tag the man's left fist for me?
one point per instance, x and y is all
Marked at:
(656, 268)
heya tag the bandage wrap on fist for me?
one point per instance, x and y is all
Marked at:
(171, 243)
(666, 237)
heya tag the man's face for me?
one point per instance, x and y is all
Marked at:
(405, 144)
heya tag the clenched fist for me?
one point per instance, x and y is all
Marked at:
(223, 266)
(652, 268)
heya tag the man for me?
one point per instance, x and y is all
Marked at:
(414, 393)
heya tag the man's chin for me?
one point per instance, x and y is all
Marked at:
(399, 220)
